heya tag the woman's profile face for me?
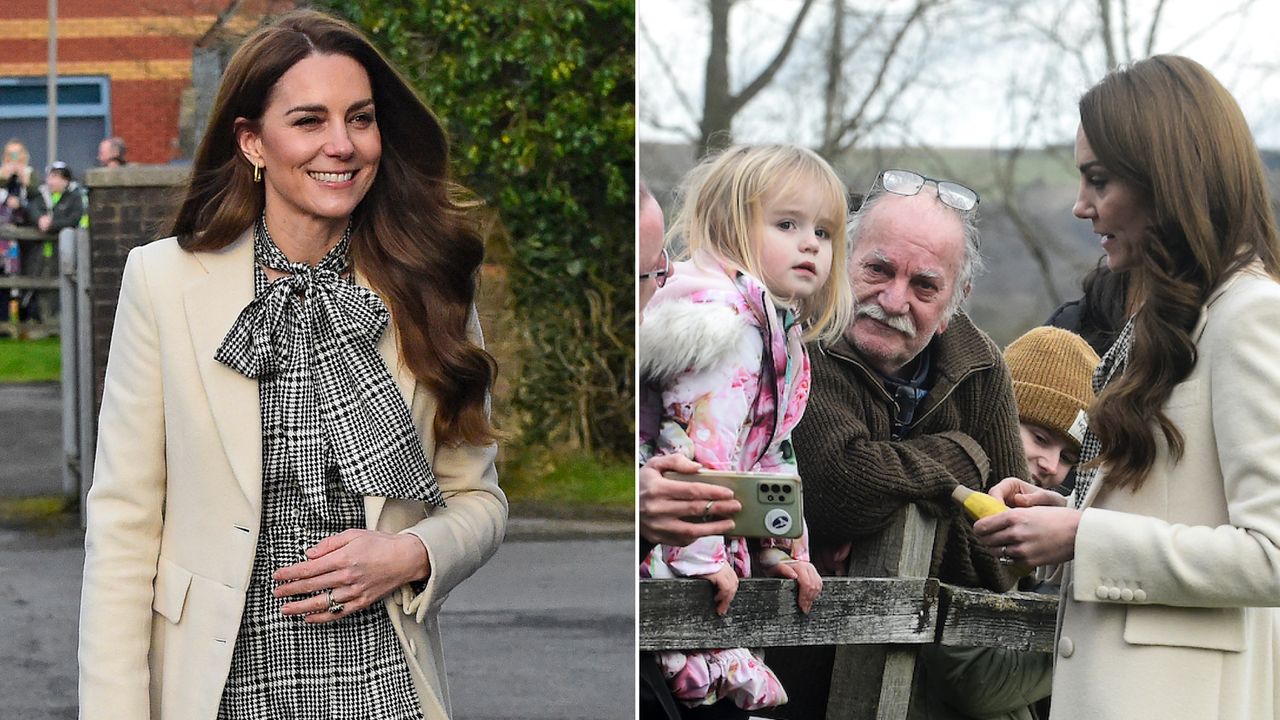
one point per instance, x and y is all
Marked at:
(318, 141)
(1119, 213)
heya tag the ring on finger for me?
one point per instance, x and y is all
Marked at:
(706, 511)
(335, 607)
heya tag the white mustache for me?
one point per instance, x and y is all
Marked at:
(901, 323)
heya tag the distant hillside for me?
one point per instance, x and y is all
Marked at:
(1011, 296)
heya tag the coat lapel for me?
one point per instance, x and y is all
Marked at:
(213, 303)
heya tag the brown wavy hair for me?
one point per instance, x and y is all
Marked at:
(1166, 126)
(415, 235)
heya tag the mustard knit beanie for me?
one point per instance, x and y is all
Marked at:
(1052, 372)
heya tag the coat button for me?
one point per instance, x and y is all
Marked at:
(1139, 595)
(1065, 647)
(1113, 593)
(1126, 594)
(1101, 592)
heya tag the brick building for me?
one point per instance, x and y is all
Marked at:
(125, 68)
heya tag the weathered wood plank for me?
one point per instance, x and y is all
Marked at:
(25, 282)
(678, 613)
(875, 682)
(24, 232)
(977, 618)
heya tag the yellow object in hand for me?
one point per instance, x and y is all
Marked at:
(977, 504)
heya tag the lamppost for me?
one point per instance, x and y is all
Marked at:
(52, 83)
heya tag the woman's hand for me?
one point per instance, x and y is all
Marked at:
(1031, 536)
(807, 579)
(669, 507)
(1016, 492)
(724, 584)
(356, 567)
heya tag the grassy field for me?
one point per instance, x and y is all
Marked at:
(29, 360)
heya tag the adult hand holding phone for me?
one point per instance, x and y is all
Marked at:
(671, 511)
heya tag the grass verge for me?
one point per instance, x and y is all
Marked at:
(40, 512)
(30, 360)
(573, 486)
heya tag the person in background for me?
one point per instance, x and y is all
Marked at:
(111, 152)
(670, 510)
(1098, 314)
(1171, 537)
(1051, 370)
(722, 345)
(909, 402)
(59, 203)
(16, 163)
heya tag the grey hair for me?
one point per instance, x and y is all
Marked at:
(971, 265)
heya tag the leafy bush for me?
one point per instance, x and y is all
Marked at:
(538, 100)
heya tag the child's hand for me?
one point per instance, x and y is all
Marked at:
(806, 577)
(725, 582)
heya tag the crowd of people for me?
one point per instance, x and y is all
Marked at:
(49, 204)
(1132, 436)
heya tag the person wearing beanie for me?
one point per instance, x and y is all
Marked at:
(1052, 372)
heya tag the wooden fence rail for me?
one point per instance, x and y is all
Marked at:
(876, 623)
(44, 279)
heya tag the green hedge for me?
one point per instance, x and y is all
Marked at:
(538, 100)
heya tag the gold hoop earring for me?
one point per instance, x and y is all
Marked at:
(257, 173)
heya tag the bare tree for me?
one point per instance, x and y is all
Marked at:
(720, 102)
(858, 101)
(1096, 39)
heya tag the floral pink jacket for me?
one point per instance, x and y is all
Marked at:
(731, 384)
(703, 347)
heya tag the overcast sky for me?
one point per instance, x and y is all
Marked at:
(965, 69)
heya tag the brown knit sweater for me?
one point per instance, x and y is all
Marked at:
(965, 432)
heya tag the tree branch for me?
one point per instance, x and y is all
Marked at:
(666, 70)
(1150, 45)
(766, 75)
(881, 72)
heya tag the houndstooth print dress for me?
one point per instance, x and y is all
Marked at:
(352, 668)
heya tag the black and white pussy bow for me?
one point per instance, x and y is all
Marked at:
(334, 325)
(1111, 366)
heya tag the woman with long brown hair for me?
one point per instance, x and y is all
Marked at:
(1173, 532)
(295, 458)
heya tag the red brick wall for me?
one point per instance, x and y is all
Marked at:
(144, 46)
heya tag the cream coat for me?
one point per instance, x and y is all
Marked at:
(1168, 609)
(175, 507)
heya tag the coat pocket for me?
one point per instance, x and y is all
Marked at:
(170, 592)
(1208, 628)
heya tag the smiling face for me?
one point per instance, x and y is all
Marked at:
(1116, 208)
(904, 269)
(1050, 456)
(792, 237)
(317, 143)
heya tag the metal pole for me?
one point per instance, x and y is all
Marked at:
(53, 81)
(68, 324)
(86, 393)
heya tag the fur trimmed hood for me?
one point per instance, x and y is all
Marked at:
(695, 321)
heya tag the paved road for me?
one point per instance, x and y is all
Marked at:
(545, 630)
(30, 439)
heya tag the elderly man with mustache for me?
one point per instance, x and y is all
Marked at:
(911, 402)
